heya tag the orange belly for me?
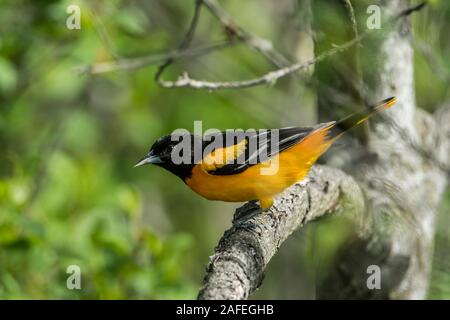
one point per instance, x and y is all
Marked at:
(253, 184)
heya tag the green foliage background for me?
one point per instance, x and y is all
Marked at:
(68, 191)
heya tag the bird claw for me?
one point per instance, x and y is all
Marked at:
(247, 211)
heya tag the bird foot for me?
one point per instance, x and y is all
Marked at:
(249, 210)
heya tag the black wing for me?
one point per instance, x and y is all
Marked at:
(261, 146)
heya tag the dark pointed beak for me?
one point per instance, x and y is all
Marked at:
(148, 159)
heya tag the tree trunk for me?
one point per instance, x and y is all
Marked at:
(403, 185)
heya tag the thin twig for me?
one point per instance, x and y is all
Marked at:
(351, 13)
(103, 34)
(140, 62)
(436, 64)
(263, 46)
(271, 77)
(410, 10)
(186, 41)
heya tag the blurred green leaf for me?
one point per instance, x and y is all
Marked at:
(8, 75)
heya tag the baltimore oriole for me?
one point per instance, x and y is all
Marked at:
(234, 171)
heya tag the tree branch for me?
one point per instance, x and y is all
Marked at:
(238, 35)
(234, 31)
(262, 45)
(269, 78)
(129, 64)
(236, 269)
(267, 50)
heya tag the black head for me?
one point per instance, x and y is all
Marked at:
(173, 153)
